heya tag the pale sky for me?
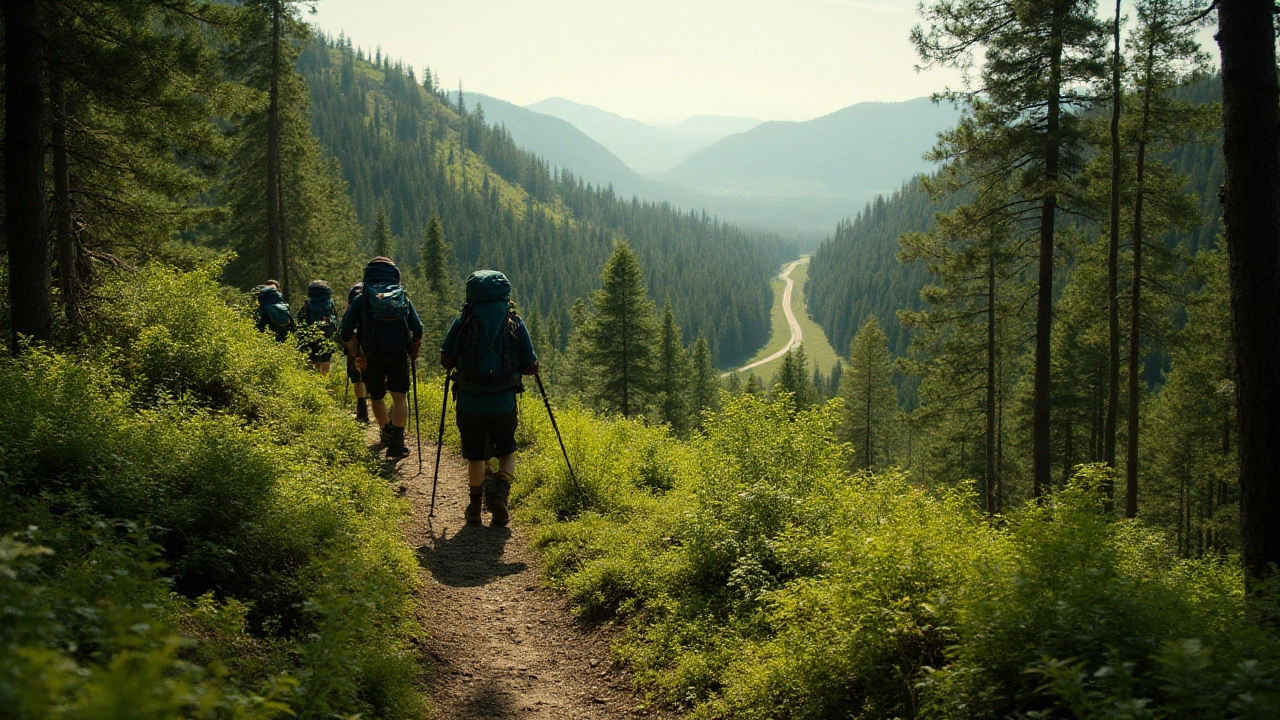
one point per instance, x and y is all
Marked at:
(654, 60)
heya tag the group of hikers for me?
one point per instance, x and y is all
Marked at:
(485, 353)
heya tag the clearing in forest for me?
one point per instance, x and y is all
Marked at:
(792, 327)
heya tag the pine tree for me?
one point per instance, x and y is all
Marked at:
(793, 377)
(673, 374)
(870, 400)
(1021, 124)
(287, 202)
(704, 386)
(1251, 216)
(1164, 45)
(30, 301)
(435, 264)
(968, 332)
(382, 241)
(620, 338)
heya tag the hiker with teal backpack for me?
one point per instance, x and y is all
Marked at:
(273, 313)
(353, 372)
(382, 333)
(488, 349)
(319, 322)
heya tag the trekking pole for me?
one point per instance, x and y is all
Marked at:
(546, 401)
(444, 405)
(417, 425)
(345, 387)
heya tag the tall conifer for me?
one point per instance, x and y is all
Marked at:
(620, 337)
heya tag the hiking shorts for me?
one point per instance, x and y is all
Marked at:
(385, 372)
(486, 436)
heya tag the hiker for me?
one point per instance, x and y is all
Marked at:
(489, 346)
(353, 372)
(319, 312)
(273, 312)
(390, 334)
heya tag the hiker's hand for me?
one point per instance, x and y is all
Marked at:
(414, 347)
(361, 363)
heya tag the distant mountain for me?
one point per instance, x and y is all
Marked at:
(645, 148)
(849, 156)
(716, 126)
(563, 145)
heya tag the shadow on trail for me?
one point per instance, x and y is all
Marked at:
(490, 700)
(471, 557)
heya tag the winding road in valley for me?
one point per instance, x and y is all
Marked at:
(797, 335)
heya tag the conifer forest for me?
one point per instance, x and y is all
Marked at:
(1042, 480)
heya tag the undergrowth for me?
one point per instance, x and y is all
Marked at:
(190, 527)
(757, 578)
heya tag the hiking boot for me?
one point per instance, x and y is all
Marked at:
(497, 488)
(362, 411)
(472, 512)
(384, 434)
(395, 443)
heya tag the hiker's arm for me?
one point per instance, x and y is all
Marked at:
(528, 358)
(448, 356)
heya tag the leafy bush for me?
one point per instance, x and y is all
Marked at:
(758, 579)
(197, 524)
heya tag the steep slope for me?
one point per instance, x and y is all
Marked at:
(403, 148)
(647, 149)
(563, 145)
(856, 152)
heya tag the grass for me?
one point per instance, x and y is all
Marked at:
(816, 346)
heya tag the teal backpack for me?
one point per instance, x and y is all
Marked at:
(272, 306)
(319, 308)
(488, 358)
(384, 326)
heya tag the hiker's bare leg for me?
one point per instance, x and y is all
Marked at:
(475, 472)
(323, 367)
(400, 412)
(507, 464)
(358, 389)
(379, 408)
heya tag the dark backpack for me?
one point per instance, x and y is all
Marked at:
(483, 366)
(384, 322)
(272, 306)
(319, 308)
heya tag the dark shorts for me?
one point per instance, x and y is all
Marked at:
(486, 436)
(386, 372)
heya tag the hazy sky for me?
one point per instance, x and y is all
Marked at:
(656, 60)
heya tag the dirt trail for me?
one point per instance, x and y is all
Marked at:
(498, 645)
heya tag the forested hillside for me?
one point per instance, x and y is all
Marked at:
(857, 274)
(405, 150)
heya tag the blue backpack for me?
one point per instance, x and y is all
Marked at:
(272, 306)
(319, 308)
(384, 324)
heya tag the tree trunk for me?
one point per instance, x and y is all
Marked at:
(274, 255)
(1135, 344)
(1113, 272)
(30, 304)
(64, 214)
(1251, 215)
(1041, 449)
(990, 489)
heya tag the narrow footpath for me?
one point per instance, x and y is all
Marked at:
(797, 334)
(498, 644)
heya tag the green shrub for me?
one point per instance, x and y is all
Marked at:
(205, 524)
(757, 579)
